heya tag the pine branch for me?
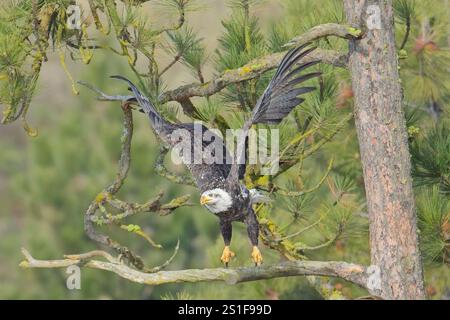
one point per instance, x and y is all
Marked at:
(249, 71)
(289, 193)
(254, 68)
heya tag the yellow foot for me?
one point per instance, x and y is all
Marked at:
(256, 256)
(227, 254)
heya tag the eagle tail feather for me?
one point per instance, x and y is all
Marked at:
(147, 107)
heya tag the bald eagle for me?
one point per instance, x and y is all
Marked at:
(222, 193)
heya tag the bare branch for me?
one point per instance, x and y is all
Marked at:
(105, 97)
(165, 264)
(348, 271)
(171, 64)
(87, 255)
(124, 165)
(325, 30)
(127, 209)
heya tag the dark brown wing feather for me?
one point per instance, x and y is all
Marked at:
(279, 98)
(282, 95)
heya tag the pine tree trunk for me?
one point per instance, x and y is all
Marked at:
(382, 136)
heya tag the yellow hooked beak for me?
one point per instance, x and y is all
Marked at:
(205, 200)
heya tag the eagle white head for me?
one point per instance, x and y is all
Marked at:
(216, 200)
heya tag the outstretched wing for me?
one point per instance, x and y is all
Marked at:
(279, 98)
(282, 95)
(206, 175)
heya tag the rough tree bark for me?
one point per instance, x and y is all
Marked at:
(382, 135)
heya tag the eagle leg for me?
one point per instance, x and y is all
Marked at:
(253, 233)
(226, 230)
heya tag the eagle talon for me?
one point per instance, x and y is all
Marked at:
(257, 256)
(227, 254)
